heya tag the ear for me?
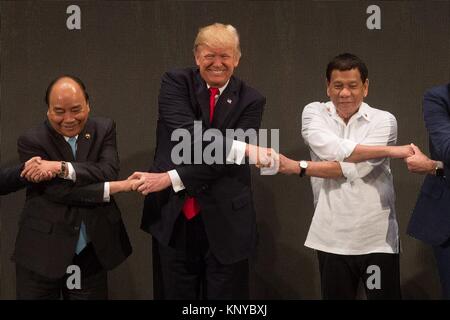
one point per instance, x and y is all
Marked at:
(366, 88)
(197, 57)
(327, 84)
(197, 61)
(236, 61)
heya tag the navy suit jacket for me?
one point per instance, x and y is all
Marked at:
(430, 220)
(10, 179)
(223, 191)
(50, 221)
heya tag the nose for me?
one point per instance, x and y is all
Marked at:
(345, 92)
(217, 60)
(68, 117)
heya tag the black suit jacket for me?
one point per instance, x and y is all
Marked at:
(50, 222)
(223, 191)
(10, 179)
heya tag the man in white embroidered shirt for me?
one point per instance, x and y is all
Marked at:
(354, 228)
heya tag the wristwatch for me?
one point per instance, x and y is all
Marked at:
(62, 173)
(439, 170)
(303, 166)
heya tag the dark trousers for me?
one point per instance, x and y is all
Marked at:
(190, 271)
(442, 255)
(340, 275)
(94, 282)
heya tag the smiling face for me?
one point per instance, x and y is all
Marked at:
(347, 91)
(68, 109)
(216, 64)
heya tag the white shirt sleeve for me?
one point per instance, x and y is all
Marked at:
(323, 141)
(353, 171)
(72, 174)
(106, 193)
(383, 133)
(237, 152)
(177, 184)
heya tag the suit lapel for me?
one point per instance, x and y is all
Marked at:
(202, 96)
(61, 144)
(84, 141)
(225, 104)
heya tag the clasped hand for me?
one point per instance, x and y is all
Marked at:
(37, 170)
(147, 182)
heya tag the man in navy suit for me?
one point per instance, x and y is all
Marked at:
(202, 216)
(72, 219)
(430, 220)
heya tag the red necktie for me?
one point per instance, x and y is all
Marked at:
(190, 206)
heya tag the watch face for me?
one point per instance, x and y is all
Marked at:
(303, 165)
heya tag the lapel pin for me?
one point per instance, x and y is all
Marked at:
(229, 101)
(87, 136)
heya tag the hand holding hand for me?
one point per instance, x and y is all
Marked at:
(37, 170)
(268, 161)
(419, 162)
(124, 185)
(150, 182)
(261, 157)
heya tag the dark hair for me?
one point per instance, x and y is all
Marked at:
(76, 79)
(347, 61)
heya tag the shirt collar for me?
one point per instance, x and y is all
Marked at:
(363, 111)
(67, 138)
(221, 88)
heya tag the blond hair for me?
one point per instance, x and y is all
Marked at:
(218, 35)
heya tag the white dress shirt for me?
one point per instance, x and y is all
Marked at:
(354, 214)
(72, 175)
(236, 154)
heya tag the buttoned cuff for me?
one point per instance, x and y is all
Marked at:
(106, 193)
(177, 184)
(72, 174)
(237, 152)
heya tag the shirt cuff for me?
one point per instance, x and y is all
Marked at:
(106, 197)
(72, 174)
(237, 152)
(346, 149)
(177, 184)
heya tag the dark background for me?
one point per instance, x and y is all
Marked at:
(123, 49)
